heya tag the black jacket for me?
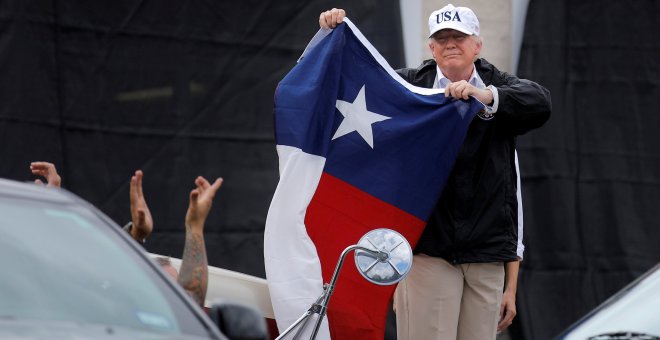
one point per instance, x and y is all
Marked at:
(475, 219)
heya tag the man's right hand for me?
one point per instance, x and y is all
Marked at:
(332, 18)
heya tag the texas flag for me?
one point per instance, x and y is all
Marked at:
(359, 149)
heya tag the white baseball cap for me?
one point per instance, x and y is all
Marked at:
(457, 18)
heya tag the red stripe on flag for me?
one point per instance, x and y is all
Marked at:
(337, 217)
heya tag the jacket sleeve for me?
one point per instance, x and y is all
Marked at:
(523, 104)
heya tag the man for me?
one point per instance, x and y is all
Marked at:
(464, 276)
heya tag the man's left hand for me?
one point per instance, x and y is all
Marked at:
(463, 90)
(507, 311)
(201, 199)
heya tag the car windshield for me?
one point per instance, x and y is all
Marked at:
(63, 263)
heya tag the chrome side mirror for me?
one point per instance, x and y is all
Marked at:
(392, 262)
(382, 256)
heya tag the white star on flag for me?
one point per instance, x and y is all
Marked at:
(357, 118)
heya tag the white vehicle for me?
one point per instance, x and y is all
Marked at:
(632, 313)
(67, 271)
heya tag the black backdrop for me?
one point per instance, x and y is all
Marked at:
(184, 88)
(591, 175)
(175, 88)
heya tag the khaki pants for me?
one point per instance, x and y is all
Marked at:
(438, 300)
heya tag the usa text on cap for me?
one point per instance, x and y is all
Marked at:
(461, 19)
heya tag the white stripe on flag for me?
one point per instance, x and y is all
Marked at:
(293, 269)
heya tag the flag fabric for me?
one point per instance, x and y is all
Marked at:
(359, 149)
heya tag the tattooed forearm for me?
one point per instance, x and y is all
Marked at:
(193, 274)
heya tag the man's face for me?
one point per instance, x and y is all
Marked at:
(454, 51)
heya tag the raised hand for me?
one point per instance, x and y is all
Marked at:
(48, 171)
(194, 274)
(201, 199)
(143, 224)
(331, 18)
